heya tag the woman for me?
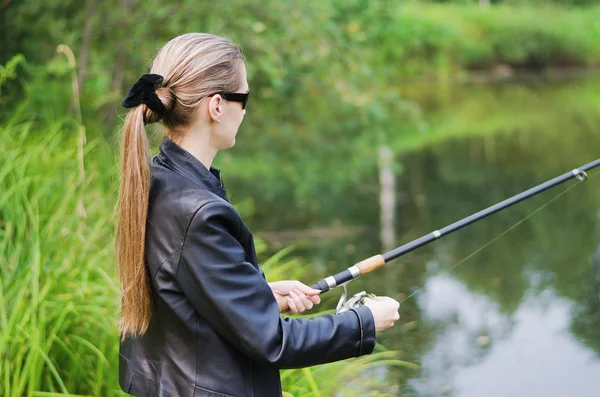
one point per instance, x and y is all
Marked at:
(198, 317)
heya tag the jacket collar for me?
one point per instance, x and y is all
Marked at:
(190, 167)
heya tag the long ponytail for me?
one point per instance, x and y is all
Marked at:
(136, 303)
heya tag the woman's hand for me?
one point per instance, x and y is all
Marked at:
(385, 311)
(295, 295)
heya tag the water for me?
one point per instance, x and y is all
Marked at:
(522, 316)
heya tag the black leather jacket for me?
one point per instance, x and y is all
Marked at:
(216, 329)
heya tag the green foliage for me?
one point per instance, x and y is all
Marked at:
(474, 37)
(9, 71)
(302, 58)
(58, 294)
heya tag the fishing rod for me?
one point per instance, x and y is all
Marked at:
(375, 262)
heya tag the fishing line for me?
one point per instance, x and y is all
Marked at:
(496, 238)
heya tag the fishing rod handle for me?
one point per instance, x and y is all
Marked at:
(352, 273)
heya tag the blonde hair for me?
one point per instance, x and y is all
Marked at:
(193, 65)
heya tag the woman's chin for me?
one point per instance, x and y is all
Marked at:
(228, 145)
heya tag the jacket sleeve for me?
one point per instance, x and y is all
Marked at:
(230, 293)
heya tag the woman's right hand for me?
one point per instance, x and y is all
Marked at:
(385, 311)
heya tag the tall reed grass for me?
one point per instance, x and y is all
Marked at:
(58, 292)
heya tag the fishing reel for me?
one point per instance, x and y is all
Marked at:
(356, 301)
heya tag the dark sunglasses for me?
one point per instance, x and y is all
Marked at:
(241, 97)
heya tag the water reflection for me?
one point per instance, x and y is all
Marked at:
(480, 352)
(466, 324)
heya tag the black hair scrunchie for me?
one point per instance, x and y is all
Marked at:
(144, 91)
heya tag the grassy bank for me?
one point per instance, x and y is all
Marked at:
(450, 38)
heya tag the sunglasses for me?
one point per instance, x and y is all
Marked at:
(241, 97)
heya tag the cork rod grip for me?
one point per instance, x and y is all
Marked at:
(370, 264)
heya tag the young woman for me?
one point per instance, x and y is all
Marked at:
(198, 317)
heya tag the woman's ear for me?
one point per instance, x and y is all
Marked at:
(215, 107)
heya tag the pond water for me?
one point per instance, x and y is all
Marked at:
(519, 317)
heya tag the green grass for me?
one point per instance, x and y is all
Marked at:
(58, 294)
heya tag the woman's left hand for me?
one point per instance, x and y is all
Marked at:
(297, 296)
